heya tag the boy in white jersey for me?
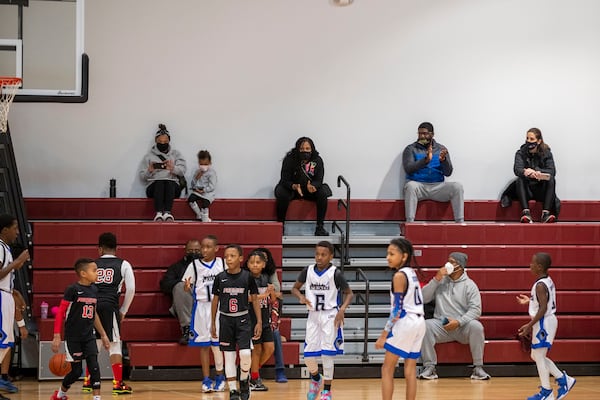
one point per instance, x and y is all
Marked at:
(405, 329)
(201, 274)
(9, 231)
(323, 283)
(542, 328)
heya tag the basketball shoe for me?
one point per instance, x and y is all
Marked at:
(55, 396)
(245, 389)
(87, 385)
(121, 388)
(544, 394)
(8, 386)
(314, 388)
(326, 395)
(219, 383)
(207, 385)
(565, 384)
(257, 385)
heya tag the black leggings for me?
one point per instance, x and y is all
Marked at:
(201, 201)
(529, 189)
(77, 369)
(283, 197)
(163, 192)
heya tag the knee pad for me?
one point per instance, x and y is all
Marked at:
(115, 348)
(230, 367)
(245, 359)
(327, 367)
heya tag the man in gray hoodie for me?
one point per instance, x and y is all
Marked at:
(456, 316)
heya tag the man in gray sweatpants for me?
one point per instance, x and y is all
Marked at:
(426, 164)
(172, 285)
(456, 316)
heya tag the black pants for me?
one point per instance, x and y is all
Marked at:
(202, 202)
(163, 192)
(283, 197)
(530, 189)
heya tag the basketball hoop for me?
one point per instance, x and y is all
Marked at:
(8, 89)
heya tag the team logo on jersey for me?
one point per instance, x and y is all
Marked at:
(319, 286)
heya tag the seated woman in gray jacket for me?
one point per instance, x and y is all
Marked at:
(161, 168)
(456, 316)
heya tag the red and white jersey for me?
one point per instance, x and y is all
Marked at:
(534, 304)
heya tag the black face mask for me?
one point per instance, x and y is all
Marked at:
(189, 257)
(531, 145)
(162, 147)
(305, 155)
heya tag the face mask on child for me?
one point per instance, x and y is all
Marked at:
(204, 168)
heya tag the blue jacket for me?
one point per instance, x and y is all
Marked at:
(414, 160)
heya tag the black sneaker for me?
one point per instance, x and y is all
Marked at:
(257, 385)
(526, 217)
(548, 218)
(245, 389)
(234, 395)
(185, 335)
(320, 231)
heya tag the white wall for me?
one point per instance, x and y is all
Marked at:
(244, 79)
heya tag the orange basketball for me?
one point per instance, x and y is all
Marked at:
(59, 365)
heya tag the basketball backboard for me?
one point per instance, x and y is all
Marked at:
(42, 42)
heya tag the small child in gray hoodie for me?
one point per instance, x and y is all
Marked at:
(203, 186)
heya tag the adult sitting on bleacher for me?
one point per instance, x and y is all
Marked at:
(456, 316)
(161, 169)
(426, 164)
(302, 174)
(172, 285)
(535, 171)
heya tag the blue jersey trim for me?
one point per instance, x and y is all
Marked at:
(401, 353)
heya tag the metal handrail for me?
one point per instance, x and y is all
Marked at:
(360, 273)
(346, 204)
(334, 225)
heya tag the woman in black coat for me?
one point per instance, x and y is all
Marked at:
(302, 174)
(535, 171)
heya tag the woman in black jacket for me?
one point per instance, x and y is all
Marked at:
(535, 171)
(302, 173)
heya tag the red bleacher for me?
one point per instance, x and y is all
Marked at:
(264, 210)
(149, 330)
(499, 255)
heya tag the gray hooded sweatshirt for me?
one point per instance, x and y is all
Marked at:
(459, 299)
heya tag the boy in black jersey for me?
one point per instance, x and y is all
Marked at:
(263, 346)
(80, 301)
(233, 289)
(113, 273)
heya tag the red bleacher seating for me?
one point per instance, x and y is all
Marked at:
(264, 210)
(499, 255)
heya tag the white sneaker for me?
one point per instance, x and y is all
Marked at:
(428, 373)
(204, 215)
(167, 216)
(158, 217)
(480, 374)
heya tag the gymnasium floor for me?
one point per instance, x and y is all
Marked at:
(587, 388)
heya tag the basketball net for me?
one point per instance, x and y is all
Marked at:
(8, 89)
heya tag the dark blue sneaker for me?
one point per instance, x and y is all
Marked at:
(8, 386)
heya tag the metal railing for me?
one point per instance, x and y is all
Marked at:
(346, 204)
(361, 274)
(342, 249)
